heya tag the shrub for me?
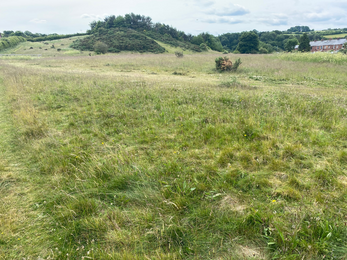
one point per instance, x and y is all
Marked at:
(263, 50)
(203, 47)
(10, 42)
(179, 54)
(100, 47)
(225, 64)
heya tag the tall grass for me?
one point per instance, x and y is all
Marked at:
(128, 164)
(320, 57)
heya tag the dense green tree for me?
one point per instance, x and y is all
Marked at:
(289, 44)
(265, 47)
(299, 29)
(230, 41)
(248, 43)
(198, 40)
(7, 33)
(100, 47)
(212, 42)
(18, 33)
(304, 44)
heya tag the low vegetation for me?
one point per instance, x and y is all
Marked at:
(117, 157)
(225, 64)
(9, 42)
(318, 57)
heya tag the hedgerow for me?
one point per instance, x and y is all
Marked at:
(10, 42)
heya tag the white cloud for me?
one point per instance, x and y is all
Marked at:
(232, 10)
(93, 16)
(222, 20)
(37, 21)
(275, 19)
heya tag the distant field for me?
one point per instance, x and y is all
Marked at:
(146, 156)
(335, 36)
(46, 48)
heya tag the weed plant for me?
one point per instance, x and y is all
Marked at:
(121, 163)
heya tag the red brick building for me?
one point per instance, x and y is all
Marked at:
(326, 45)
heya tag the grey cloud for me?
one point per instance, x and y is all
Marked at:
(340, 4)
(321, 17)
(233, 10)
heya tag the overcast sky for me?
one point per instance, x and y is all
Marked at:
(192, 16)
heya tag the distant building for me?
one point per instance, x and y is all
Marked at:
(326, 45)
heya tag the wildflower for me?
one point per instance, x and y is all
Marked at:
(245, 135)
(273, 201)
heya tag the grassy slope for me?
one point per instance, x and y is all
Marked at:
(63, 44)
(343, 35)
(128, 161)
(44, 48)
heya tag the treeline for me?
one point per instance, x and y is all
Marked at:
(10, 42)
(54, 37)
(269, 41)
(118, 39)
(38, 37)
(333, 32)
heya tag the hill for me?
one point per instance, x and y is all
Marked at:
(118, 39)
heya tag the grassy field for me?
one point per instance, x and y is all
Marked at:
(55, 48)
(342, 35)
(318, 57)
(62, 49)
(143, 156)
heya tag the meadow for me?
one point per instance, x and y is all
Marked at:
(333, 36)
(144, 156)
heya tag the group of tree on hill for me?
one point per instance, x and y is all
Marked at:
(246, 42)
(138, 33)
(268, 41)
(37, 37)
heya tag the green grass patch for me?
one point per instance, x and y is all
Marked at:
(127, 164)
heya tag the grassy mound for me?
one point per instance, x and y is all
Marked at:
(168, 39)
(117, 40)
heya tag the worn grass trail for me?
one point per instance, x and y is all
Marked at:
(22, 227)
